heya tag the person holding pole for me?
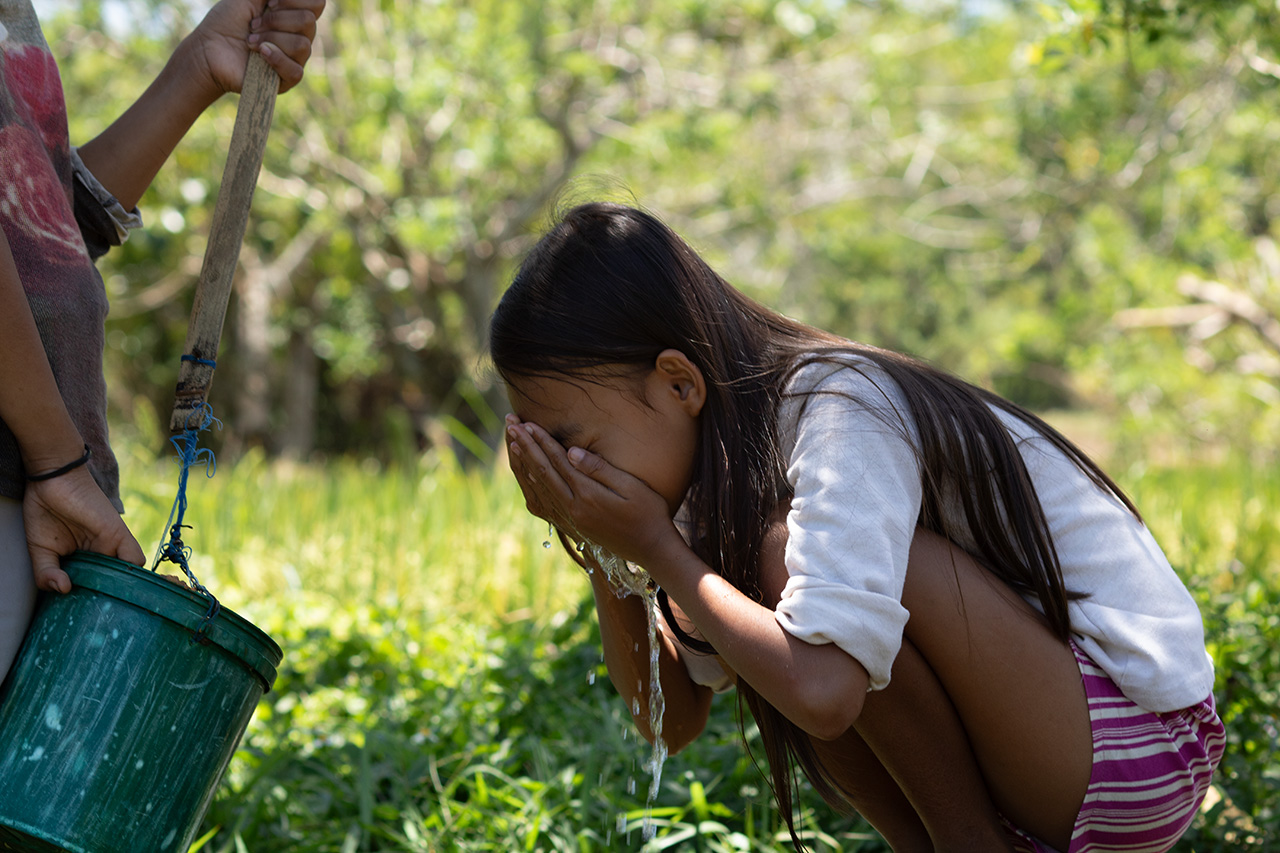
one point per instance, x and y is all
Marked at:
(60, 209)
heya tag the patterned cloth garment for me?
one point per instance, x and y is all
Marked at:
(1150, 771)
(57, 219)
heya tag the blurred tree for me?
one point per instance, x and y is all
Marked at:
(400, 182)
(1158, 119)
(989, 190)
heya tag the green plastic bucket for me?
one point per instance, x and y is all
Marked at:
(115, 727)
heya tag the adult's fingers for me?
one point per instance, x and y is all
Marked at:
(300, 21)
(47, 571)
(130, 551)
(286, 68)
(283, 34)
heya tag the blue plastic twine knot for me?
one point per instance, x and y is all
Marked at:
(174, 551)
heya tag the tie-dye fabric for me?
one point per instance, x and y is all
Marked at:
(56, 218)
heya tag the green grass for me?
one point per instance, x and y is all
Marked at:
(443, 690)
(1221, 528)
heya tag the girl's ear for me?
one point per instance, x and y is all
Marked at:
(681, 380)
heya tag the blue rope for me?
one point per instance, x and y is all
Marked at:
(205, 361)
(174, 551)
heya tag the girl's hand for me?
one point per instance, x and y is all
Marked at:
(281, 30)
(70, 512)
(589, 499)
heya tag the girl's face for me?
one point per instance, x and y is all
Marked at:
(646, 427)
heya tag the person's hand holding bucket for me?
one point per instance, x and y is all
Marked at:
(69, 512)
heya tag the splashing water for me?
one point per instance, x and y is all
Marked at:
(629, 579)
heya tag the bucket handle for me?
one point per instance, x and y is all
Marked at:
(226, 233)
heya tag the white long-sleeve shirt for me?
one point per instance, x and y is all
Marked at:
(857, 498)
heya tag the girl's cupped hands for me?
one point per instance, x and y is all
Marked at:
(589, 499)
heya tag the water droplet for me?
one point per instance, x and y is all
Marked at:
(546, 543)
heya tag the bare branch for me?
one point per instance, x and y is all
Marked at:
(1161, 318)
(1263, 66)
(1238, 304)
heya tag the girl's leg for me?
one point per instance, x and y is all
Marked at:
(867, 786)
(17, 587)
(913, 729)
(907, 766)
(1012, 688)
(924, 791)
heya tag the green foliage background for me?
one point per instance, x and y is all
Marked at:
(1033, 195)
(443, 689)
(1019, 193)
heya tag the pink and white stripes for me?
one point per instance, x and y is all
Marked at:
(1150, 771)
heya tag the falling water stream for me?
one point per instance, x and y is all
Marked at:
(629, 579)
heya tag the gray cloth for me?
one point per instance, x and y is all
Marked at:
(17, 586)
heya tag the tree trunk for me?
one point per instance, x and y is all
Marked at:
(302, 378)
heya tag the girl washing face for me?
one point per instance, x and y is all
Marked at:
(932, 603)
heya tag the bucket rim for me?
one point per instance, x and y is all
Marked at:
(150, 591)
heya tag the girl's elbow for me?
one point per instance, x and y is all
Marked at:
(683, 720)
(682, 728)
(679, 738)
(833, 723)
(826, 711)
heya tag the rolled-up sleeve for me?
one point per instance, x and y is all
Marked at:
(102, 218)
(857, 493)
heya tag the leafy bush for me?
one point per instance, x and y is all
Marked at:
(443, 689)
(387, 733)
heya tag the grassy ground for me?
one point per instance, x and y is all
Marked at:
(443, 689)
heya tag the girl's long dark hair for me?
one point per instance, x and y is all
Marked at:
(610, 286)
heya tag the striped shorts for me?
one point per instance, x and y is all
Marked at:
(1150, 771)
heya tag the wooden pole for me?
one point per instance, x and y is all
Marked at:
(226, 233)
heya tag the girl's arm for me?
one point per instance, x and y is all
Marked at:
(69, 511)
(209, 62)
(820, 688)
(624, 635)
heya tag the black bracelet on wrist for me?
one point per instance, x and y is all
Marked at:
(58, 472)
